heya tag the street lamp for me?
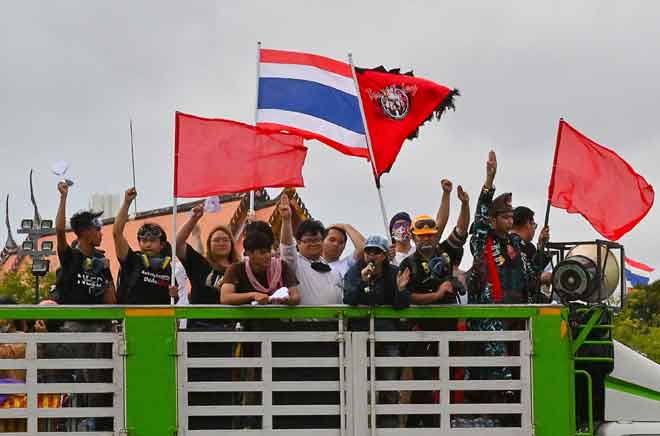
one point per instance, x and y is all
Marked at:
(29, 247)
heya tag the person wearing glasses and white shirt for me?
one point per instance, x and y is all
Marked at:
(319, 284)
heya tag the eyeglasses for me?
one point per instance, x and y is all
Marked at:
(424, 224)
(321, 267)
(311, 240)
(534, 225)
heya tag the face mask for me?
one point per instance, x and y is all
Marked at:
(156, 263)
(401, 233)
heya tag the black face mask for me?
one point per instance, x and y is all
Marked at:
(321, 267)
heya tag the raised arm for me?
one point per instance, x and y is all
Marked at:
(287, 248)
(481, 224)
(491, 170)
(121, 244)
(286, 232)
(356, 237)
(442, 216)
(60, 218)
(464, 215)
(184, 232)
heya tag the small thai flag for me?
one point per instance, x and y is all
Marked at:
(637, 274)
(312, 96)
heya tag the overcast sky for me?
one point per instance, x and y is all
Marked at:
(73, 72)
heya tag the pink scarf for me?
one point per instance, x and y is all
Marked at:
(273, 275)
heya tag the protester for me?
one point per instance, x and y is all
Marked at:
(334, 242)
(205, 272)
(500, 274)
(257, 278)
(84, 276)
(402, 245)
(145, 275)
(431, 282)
(524, 228)
(373, 281)
(319, 284)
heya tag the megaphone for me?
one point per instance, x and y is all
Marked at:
(585, 275)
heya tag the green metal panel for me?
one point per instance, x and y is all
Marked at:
(631, 388)
(259, 312)
(151, 407)
(553, 379)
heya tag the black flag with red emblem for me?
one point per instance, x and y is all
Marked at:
(395, 105)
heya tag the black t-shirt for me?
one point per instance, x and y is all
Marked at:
(139, 284)
(82, 280)
(421, 280)
(204, 279)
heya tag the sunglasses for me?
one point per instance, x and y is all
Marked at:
(424, 224)
(321, 267)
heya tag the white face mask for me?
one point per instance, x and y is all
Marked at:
(401, 233)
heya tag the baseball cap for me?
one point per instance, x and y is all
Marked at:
(376, 241)
(424, 225)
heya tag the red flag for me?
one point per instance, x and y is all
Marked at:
(216, 156)
(595, 182)
(395, 105)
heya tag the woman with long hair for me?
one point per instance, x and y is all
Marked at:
(205, 272)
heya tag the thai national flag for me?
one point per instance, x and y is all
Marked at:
(312, 96)
(637, 274)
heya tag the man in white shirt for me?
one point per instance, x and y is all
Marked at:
(319, 284)
(334, 242)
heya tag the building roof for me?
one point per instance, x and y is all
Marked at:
(233, 213)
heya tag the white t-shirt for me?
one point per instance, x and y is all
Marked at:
(398, 257)
(316, 288)
(342, 265)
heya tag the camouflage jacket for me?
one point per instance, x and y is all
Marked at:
(517, 274)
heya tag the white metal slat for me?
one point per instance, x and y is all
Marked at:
(356, 382)
(31, 364)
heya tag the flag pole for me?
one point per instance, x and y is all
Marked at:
(256, 111)
(369, 147)
(130, 126)
(174, 207)
(552, 176)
